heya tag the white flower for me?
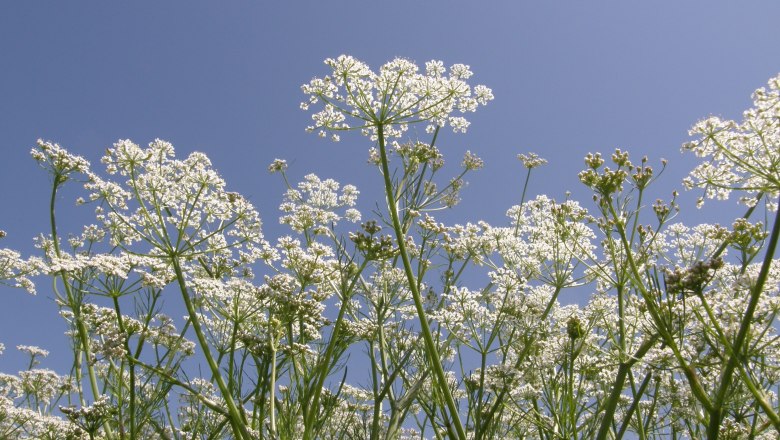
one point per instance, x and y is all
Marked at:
(185, 198)
(15, 271)
(33, 351)
(315, 203)
(742, 156)
(532, 160)
(355, 97)
(57, 160)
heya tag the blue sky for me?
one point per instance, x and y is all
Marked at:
(224, 78)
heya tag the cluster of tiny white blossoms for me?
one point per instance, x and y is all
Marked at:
(297, 295)
(468, 313)
(386, 303)
(196, 411)
(552, 239)
(16, 271)
(355, 97)
(109, 339)
(683, 246)
(740, 155)
(531, 160)
(546, 240)
(162, 194)
(24, 423)
(314, 204)
(57, 160)
(28, 398)
(229, 306)
(91, 417)
(83, 263)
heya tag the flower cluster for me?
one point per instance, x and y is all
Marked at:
(355, 97)
(58, 161)
(531, 160)
(16, 272)
(176, 207)
(27, 399)
(742, 156)
(313, 205)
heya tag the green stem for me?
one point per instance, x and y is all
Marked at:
(430, 346)
(696, 388)
(272, 403)
(635, 408)
(617, 387)
(234, 416)
(716, 415)
(375, 389)
(131, 409)
(309, 417)
(522, 198)
(81, 328)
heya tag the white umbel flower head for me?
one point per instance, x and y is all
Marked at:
(742, 156)
(355, 97)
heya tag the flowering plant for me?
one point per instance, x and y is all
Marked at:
(677, 340)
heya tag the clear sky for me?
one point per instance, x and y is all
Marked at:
(224, 78)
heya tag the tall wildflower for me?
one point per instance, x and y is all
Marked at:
(180, 213)
(740, 156)
(382, 105)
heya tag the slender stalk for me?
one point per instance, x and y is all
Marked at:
(480, 392)
(81, 328)
(635, 408)
(329, 353)
(716, 416)
(522, 198)
(430, 346)
(617, 387)
(234, 416)
(131, 366)
(375, 389)
(272, 403)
